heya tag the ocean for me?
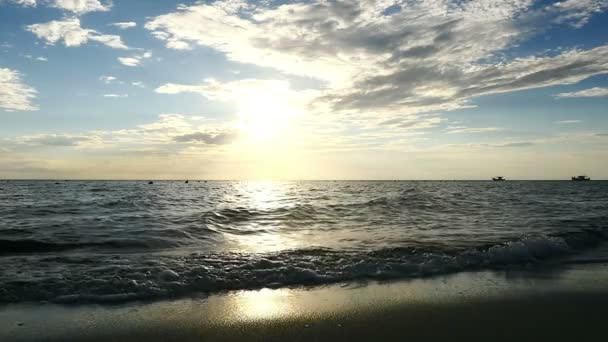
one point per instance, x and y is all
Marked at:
(117, 241)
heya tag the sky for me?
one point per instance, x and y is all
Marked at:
(232, 89)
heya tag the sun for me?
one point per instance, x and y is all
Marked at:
(266, 111)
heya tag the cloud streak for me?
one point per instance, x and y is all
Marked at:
(72, 34)
(463, 129)
(219, 138)
(134, 60)
(58, 140)
(592, 92)
(14, 94)
(124, 25)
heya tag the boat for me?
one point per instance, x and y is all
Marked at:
(498, 179)
(581, 178)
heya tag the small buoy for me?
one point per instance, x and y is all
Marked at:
(150, 182)
(186, 182)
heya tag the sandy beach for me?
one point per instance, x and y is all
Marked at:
(558, 304)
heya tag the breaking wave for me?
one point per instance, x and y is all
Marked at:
(137, 277)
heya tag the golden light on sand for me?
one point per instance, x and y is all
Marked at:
(262, 304)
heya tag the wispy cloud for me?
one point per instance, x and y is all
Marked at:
(72, 34)
(516, 144)
(592, 92)
(55, 139)
(14, 94)
(567, 122)
(577, 12)
(109, 79)
(124, 25)
(76, 7)
(171, 132)
(213, 89)
(116, 95)
(134, 60)
(79, 7)
(210, 138)
(464, 129)
(25, 3)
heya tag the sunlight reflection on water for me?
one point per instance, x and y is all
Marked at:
(267, 196)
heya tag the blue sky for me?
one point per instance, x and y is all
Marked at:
(428, 89)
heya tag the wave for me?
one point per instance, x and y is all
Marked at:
(143, 276)
(411, 199)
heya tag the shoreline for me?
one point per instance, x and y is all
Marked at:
(560, 304)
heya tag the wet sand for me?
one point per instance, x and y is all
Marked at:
(554, 304)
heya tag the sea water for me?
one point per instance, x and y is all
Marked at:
(107, 241)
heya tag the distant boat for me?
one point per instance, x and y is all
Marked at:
(150, 182)
(498, 179)
(581, 178)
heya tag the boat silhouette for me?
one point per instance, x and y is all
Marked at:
(581, 178)
(498, 179)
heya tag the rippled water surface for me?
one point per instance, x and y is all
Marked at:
(100, 241)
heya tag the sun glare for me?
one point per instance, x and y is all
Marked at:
(266, 112)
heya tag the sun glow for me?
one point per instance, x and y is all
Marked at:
(267, 111)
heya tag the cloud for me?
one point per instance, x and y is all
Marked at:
(77, 7)
(138, 84)
(25, 3)
(116, 95)
(72, 34)
(220, 138)
(169, 133)
(463, 129)
(577, 12)
(129, 61)
(516, 144)
(124, 25)
(14, 94)
(42, 59)
(134, 60)
(246, 92)
(81, 6)
(567, 122)
(592, 92)
(428, 56)
(55, 140)
(109, 79)
(216, 90)
(601, 134)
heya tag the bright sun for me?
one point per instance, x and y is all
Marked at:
(266, 112)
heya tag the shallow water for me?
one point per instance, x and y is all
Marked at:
(100, 241)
